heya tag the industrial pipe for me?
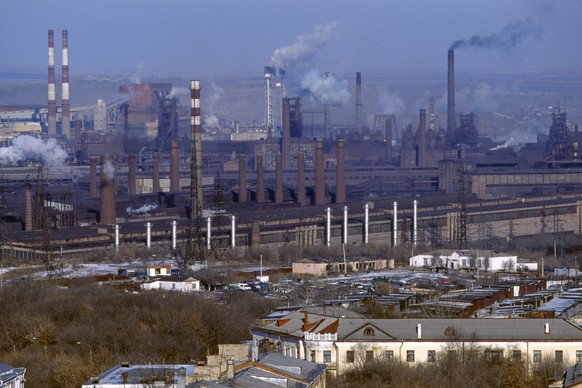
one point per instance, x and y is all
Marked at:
(395, 225)
(345, 224)
(328, 227)
(148, 235)
(366, 222)
(208, 232)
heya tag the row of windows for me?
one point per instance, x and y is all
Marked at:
(492, 355)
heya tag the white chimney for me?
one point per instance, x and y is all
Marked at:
(546, 328)
(419, 331)
(230, 369)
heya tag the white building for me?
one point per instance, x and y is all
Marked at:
(484, 260)
(172, 283)
(11, 377)
(342, 342)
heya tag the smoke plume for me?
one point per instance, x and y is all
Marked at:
(108, 169)
(175, 92)
(390, 102)
(144, 209)
(304, 48)
(510, 36)
(325, 89)
(26, 147)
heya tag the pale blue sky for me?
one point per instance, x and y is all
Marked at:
(193, 38)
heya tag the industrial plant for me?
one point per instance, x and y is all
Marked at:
(145, 170)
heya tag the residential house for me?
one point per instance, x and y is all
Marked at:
(483, 260)
(172, 283)
(341, 342)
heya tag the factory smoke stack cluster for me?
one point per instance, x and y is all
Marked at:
(52, 97)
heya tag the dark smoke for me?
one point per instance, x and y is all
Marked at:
(510, 36)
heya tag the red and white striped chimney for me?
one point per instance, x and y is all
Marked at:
(196, 129)
(66, 109)
(52, 98)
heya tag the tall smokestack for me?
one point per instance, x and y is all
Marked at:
(451, 114)
(301, 178)
(131, 175)
(27, 208)
(278, 179)
(107, 190)
(174, 167)
(156, 172)
(326, 120)
(66, 109)
(196, 157)
(260, 180)
(93, 178)
(319, 173)
(286, 134)
(52, 98)
(422, 139)
(340, 173)
(388, 154)
(78, 146)
(242, 176)
(359, 102)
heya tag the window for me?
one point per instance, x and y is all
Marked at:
(389, 355)
(578, 356)
(559, 356)
(312, 356)
(350, 356)
(369, 332)
(516, 355)
(369, 355)
(410, 355)
(493, 354)
(537, 356)
(327, 356)
(431, 356)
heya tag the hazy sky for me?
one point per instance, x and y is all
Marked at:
(192, 38)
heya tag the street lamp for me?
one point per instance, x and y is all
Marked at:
(90, 352)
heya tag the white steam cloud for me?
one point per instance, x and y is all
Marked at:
(144, 209)
(390, 102)
(211, 121)
(26, 147)
(325, 89)
(108, 169)
(304, 48)
(516, 140)
(176, 91)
